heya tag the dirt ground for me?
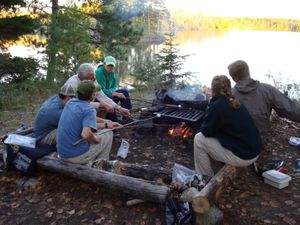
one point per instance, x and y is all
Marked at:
(56, 199)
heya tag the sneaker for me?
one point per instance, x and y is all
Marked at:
(98, 164)
(116, 133)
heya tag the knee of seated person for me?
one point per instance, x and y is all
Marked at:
(199, 138)
(124, 91)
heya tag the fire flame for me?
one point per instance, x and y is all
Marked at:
(184, 132)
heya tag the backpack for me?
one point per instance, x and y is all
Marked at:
(178, 213)
(23, 159)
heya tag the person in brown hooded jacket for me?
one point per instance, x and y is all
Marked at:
(260, 98)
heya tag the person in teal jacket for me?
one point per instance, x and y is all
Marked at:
(105, 77)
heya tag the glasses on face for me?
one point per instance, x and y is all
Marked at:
(110, 66)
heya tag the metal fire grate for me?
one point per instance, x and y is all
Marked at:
(192, 115)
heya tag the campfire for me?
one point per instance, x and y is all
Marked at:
(182, 131)
(181, 118)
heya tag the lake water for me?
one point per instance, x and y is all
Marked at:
(266, 52)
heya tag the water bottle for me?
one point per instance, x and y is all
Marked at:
(123, 149)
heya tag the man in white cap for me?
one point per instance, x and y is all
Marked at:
(105, 76)
(47, 117)
(86, 71)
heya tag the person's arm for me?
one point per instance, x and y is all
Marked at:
(101, 120)
(101, 97)
(211, 122)
(123, 111)
(113, 82)
(88, 135)
(285, 107)
(100, 78)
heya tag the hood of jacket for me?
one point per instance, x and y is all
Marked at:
(246, 86)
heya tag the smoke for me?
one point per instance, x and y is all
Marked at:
(188, 93)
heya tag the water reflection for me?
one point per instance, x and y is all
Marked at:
(266, 52)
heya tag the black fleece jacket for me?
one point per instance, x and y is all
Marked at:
(234, 128)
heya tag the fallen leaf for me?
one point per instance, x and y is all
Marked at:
(289, 220)
(274, 204)
(59, 211)
(49, 214)
(107, 204)
(71, 212)
(228, 206)
(15, 205)
(99, 221)
(289, 202)
(264, 203)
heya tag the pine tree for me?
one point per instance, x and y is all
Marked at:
(115, 29)
(170, 63)
(13, 26)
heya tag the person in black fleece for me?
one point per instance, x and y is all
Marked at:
(228, 133)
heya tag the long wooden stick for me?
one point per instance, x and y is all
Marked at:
(117, 128)
(161, 104)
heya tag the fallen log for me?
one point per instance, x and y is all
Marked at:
(138, 188)
(157, 174)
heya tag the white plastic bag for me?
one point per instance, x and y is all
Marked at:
(182, 174)
(123, 149)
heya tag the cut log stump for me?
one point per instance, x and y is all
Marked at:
(211, 193)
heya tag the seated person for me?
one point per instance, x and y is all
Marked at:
(260, 98)
(105, 76)
(78, 122)
(86, 71)
(47, 117)
(228, 133)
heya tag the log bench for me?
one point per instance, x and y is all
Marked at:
(146, 183)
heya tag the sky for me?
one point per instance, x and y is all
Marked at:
(240, 8)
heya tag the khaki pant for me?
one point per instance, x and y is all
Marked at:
(206, 148)
(49, 139)
(96, 151)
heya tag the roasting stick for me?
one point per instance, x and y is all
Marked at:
(125, 126)
(161, 104)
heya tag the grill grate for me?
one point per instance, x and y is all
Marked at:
(192, 115)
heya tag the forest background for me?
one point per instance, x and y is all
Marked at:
(73, 32)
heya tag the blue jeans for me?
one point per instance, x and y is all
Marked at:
(125, 103)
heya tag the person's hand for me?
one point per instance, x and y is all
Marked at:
(114, 125)
(107, 107)
(119, 95)
(124, 112)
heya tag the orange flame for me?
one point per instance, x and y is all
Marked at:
(184, 132)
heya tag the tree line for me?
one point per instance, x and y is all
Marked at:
(185, 21)
(69, 35)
